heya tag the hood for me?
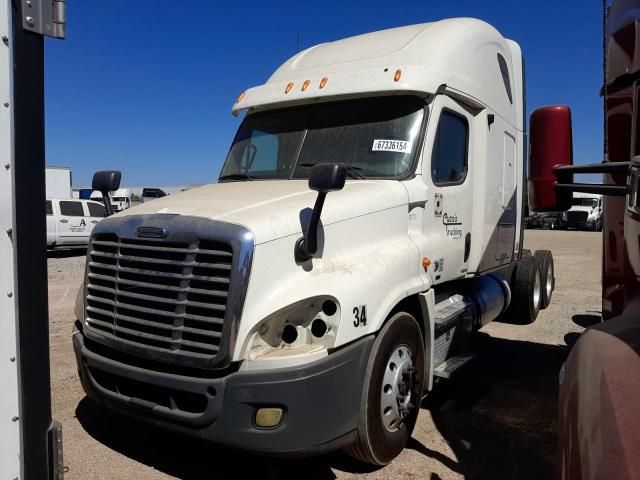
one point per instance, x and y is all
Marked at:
(581, 208)
(272, 209)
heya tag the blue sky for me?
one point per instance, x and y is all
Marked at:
(147, 86)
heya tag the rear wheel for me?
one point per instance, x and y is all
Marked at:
(392, 393)
(526, 296)
(547, 276)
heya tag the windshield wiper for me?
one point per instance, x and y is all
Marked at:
(235, 176)
(352, 172)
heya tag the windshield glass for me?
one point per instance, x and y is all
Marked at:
(377, 137)
(585, 202)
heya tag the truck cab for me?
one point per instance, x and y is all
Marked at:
(368, 219)
(585, 212)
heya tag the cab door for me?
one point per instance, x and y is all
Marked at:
(73, 223)
(447, 171)
(51, 224)
(96, 212)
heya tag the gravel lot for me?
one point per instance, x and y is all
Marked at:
(497, 420)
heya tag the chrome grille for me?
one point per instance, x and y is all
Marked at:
(577, 217)
(160, 295)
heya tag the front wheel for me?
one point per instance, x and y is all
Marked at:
(392, 392)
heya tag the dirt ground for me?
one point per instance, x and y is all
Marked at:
(495, 421)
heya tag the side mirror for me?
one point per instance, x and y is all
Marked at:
(104, 182)
(327, 177)
(324, 178)
(551, 146)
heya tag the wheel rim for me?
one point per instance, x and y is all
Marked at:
(397, 388)
(536, 290)
(549, 285)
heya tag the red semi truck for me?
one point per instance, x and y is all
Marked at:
(600, 381)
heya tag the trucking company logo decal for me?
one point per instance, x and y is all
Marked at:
(452, 226)
(151, 232)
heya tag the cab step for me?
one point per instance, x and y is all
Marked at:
(453, 365)
(448, 313)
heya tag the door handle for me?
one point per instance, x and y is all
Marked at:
(467, 246)
(64, 221)
(94, 221)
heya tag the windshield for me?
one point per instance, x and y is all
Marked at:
(585, 202)
(377, 137)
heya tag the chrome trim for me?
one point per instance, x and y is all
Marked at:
(183, 229)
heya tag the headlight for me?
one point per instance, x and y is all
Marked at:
(78, 308)
(299, 333)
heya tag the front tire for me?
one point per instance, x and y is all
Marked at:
(392, 392)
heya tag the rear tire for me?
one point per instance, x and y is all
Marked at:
(547, 276)
(526, 292)
(392, 392)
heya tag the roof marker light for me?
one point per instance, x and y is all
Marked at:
(241, 96)
(397, 76)
(305, 85)
(323, 82)
(289, 87)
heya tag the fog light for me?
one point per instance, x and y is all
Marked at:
(289, 334)
(318, 328)
(268, 417)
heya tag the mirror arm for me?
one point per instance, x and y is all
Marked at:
(307, 246)
(107, 203)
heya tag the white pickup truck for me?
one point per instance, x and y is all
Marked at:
(367, 221)
(71, 221)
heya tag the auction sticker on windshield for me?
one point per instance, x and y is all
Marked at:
(400, 146)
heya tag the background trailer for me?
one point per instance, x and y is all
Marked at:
(30, 443)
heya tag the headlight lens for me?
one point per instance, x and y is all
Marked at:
(303, 329)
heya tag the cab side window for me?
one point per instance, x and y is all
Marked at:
(49, 208)
(449, 157)
(96, 210)
(71, 209)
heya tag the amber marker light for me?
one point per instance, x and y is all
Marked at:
(323, 82)
(426, 263)
(396, 77)
(241, 96)
(289, 87)
(306, 84)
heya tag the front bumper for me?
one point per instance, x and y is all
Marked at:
(321, 400)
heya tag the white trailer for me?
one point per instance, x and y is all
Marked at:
(30, 443)
(367, 221)
(58, 182)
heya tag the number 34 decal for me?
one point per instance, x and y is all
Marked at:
(360, 315)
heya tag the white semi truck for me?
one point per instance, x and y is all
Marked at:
(367, 221)
(585, 212)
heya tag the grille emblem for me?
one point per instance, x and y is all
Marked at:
(151, 232)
